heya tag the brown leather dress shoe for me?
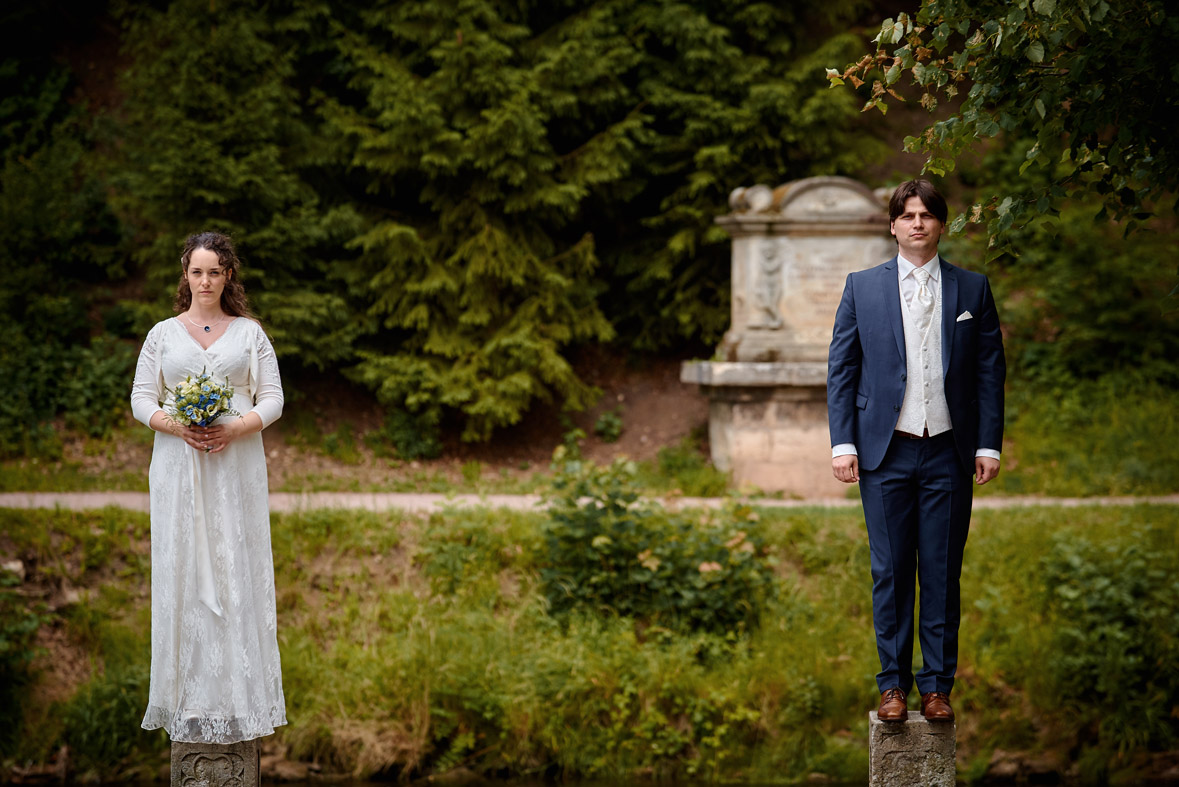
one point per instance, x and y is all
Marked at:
(935, 706)
(892, 706)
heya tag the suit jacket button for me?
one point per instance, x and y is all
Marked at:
(902, 378)
(896, 408)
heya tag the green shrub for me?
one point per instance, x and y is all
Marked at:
(572, 437)
(18, 627)
(49, 370)
(608, 549)
(472, 472)
(341, 445)
(1116, 644)
(102, 721)
(413, 436)
(685, 468)
(94, 392)
(1078, 304)
(609, 426)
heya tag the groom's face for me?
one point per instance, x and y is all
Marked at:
(917, 231)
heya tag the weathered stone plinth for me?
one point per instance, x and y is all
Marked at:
(915, 753)
(767, 424)
(213, 765)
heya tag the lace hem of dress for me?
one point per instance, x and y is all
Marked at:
(211, 728)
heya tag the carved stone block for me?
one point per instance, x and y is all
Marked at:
(214, 765)
(793, 247)
(916, 753)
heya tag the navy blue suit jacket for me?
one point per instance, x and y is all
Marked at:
(866, 363)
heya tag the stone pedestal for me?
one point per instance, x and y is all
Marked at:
(793, 247)
(914, 753)
(213, 765)
(767, 424)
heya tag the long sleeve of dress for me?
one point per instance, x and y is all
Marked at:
(147, 391)
(266, 383)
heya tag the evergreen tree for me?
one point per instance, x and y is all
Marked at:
(216, 135)
(731, 94)
(441, 200)
(506, 151)
(59, 248)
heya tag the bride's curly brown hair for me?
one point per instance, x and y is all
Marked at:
(233, 297)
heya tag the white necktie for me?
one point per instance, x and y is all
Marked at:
(922, 305)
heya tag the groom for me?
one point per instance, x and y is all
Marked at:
(915, 405)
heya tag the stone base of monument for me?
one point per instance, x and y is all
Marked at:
(767, 424)
(916, 753)
(216, 765)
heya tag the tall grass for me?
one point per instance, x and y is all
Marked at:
(414, 645)
(1118, 435)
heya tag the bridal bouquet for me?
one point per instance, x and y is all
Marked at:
(198, 401)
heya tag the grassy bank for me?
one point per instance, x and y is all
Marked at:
(1113, 436)
(413, 646)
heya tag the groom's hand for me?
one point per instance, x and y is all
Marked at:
(985, 468)
(846, 468)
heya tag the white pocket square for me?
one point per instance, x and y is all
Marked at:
(965, 316)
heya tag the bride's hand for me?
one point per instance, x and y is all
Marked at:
(189, 434)
(216, 437)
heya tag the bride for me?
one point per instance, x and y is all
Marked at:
(215, 675)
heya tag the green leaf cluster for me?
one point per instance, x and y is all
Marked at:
(1092, 84)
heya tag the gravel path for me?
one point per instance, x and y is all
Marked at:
(384, 501)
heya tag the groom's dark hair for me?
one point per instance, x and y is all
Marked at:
(921, 188)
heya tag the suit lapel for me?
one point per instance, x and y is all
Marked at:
(890, 285)
(949, 312)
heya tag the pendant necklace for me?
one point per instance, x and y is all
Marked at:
(206, 327)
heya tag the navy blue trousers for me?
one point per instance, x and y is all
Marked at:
(917, 508)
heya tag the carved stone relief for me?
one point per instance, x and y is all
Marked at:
(767, 288)
(215, 765)
(204, 769)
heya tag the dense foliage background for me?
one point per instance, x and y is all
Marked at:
(443, 201)
(439, 200)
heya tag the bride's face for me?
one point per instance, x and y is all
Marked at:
(206, 277)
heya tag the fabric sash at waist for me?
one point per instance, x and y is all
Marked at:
(206, 586)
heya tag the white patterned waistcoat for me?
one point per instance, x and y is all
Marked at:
(925, 388)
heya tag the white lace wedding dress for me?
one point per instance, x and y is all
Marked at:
(215, 675)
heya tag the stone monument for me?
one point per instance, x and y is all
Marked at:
(216, 765)
(793, 247)
(915, 753)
